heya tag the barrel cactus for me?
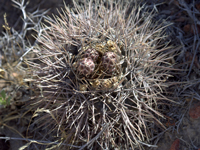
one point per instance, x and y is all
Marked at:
(102, 71)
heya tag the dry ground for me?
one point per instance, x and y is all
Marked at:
(182, 124)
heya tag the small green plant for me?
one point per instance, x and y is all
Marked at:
(4, 100)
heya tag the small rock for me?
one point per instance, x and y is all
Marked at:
(175, 145)
(195, 112)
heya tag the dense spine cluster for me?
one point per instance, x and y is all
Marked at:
(103, 70)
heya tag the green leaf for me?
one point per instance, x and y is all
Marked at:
(3, 94)
(1, 100)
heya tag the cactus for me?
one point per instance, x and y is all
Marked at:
(118, 110)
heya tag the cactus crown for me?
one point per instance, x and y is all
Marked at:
(106, 62)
